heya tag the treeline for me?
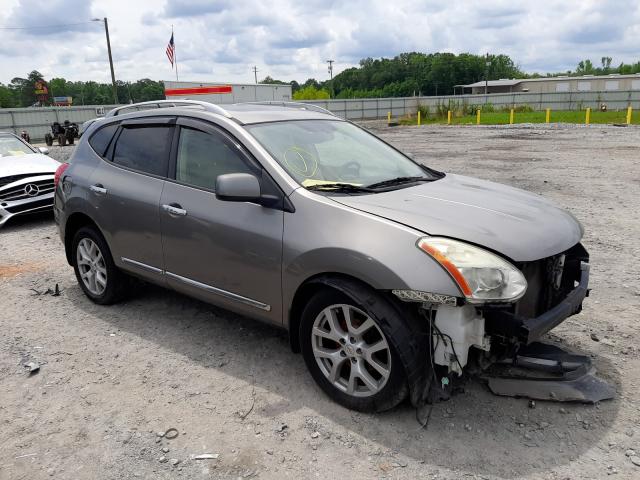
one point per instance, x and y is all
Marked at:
(414, 73)
(405, 75)
(21, 91)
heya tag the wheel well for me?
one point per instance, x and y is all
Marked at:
(74, 223)
(304, 293)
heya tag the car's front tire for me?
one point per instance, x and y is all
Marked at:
(349, 351)
(95, 271)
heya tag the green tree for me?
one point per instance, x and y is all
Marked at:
(310, 92)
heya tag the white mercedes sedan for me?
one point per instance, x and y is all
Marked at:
(26, 178)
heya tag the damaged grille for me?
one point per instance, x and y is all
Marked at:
(549, 281)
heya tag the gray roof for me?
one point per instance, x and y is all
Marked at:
(495, 83)
(257, 113)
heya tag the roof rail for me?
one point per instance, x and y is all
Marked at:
(207, 106)
(298, 105)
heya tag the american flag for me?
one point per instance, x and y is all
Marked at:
(171, 50)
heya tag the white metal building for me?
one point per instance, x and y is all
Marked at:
(585, 83)
(222, 93)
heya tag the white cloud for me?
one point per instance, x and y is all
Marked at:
(221, 40)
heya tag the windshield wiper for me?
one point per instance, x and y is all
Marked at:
(398, 181)
(340, 187)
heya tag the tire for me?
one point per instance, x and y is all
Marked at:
(380, 393)
(110, 283)
(70, 140)
(62, 140)
(48, 140)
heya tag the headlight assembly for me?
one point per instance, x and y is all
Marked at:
(481, 275)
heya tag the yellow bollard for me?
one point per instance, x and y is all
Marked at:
(548, 116)
(629, 111)
(418, 117)
(449, 117)
(478, 117)
(587, 118)
(388, 118)
(511, 117)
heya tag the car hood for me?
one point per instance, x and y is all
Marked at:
(30, 163)
(520, 225)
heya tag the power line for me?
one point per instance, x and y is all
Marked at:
(46, 26)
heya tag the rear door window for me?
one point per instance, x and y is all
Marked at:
(144, 148)
(100, 140)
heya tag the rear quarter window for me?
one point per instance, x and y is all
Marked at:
(144, 148)
(100, 140)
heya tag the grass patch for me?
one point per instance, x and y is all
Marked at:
(502, 118)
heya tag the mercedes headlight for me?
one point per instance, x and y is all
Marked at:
(481, 275)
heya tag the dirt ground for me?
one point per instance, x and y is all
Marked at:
(112, 378)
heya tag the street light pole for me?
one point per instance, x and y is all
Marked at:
(113, 75)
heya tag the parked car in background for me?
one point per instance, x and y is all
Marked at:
(26, 178)
(390, 277)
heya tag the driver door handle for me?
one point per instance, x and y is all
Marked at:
(98, 188)
(174, 209)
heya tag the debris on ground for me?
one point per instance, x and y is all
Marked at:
(55, 292)
(33, 367)
(205, 456)
(169, 434)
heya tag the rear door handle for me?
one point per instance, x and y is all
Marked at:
(174, 209)
(98, 188)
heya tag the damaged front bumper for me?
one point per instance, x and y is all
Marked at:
(511, 360)
(510, 325)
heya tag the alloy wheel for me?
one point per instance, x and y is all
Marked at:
(351, 350)
(92, 267)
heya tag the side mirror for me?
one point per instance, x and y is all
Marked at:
(44, 150)
(238, 187)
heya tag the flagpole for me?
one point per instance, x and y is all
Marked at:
(175, 55)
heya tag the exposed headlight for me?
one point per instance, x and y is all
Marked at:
(481, 275)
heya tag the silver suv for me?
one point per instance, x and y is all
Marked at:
(390, 277)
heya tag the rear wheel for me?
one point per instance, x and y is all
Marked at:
(62, 140)
(350, 355)
(95, 271)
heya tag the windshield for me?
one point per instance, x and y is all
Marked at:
(11, 146)
(326, 152)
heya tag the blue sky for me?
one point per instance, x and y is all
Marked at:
(221, 40)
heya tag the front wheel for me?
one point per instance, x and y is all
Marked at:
(349, 353)
(95, 271)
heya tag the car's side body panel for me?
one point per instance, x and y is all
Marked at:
(323, 236)
(231, 249)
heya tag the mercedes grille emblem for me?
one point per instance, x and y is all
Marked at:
(31, 189)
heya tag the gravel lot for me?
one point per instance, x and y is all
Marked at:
(112, 377)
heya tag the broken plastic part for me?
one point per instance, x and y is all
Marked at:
(546, 372)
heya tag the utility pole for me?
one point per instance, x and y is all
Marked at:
(113, 75)
(487, 63)
(330, 69)
(255, 73)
